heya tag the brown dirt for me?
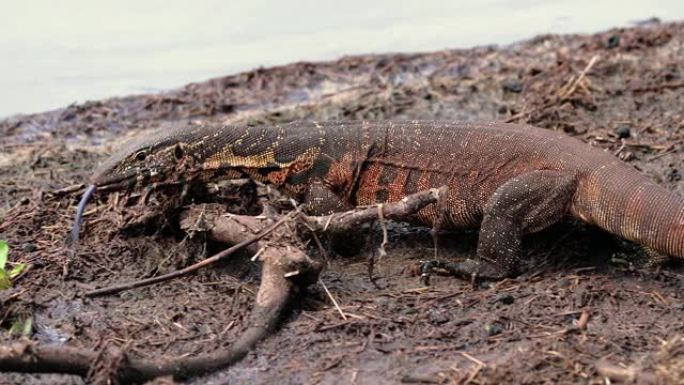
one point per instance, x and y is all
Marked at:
(519, 331)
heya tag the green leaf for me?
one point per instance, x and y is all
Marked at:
(16, 327)
(17, 269)
(4, 251)
(5, 282)
(27, 330)
(24, 328)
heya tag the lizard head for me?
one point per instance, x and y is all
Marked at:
(179, 153)
(156, 158)
(144, 161)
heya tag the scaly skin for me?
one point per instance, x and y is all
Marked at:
(509, 179)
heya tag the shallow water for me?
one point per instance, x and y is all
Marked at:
(56, 53)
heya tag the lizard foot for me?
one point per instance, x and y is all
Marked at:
(471, 269)
(656, 259)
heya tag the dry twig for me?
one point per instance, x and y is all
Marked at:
(192, 268)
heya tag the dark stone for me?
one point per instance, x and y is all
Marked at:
(437, 317)
(613, 41)
(623, 132)
(227, 108)
(493, 329)
(512, 85)
(673, 174)
(504, 298)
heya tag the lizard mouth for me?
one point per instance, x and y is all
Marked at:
(152, 178)
(122, 182)
(119, 183)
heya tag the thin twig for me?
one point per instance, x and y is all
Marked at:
(658, 87)
(662, 154)
(337, 306)
(67, 190)
(562, 95)
(473, 359)
(327, 223)
(622, 147)
(306, 223)
(583, 320)
(474, 374)
(191, 268)
(581, 77)
(257, 254)
(381, 250)
(381, 218)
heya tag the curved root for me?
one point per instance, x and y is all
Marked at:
(272, 299)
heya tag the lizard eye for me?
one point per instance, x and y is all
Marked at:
(141, 155)
(178, 152)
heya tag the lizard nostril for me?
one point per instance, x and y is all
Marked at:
(178, 151)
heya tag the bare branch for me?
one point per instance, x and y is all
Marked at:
(401, 210)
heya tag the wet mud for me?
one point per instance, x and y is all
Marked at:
(587, 306)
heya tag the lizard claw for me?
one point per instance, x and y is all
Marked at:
(427, 268)
(471, 270)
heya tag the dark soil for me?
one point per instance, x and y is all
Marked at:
(622, 90)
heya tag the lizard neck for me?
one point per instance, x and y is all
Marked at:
(294, 156)
(336, 162)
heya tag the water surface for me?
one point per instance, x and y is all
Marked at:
(53, 53)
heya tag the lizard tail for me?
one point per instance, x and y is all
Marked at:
(621, 200)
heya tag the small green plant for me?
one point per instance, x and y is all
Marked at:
(22, 327)
(6, 277)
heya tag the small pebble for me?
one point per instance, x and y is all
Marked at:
(382, 301)
(29, 247)
(436, 317)
(493, 329)
(613, 41)
(623, 132)
(512, 85)
(504, 298)
(673, 174)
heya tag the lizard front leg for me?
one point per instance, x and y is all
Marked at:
(321, 200)
(525, 204)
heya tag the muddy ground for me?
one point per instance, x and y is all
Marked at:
(622, 90)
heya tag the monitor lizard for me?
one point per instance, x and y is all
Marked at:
(508, 179)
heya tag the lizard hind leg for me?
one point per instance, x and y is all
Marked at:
(525, 204)
(656, 259)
